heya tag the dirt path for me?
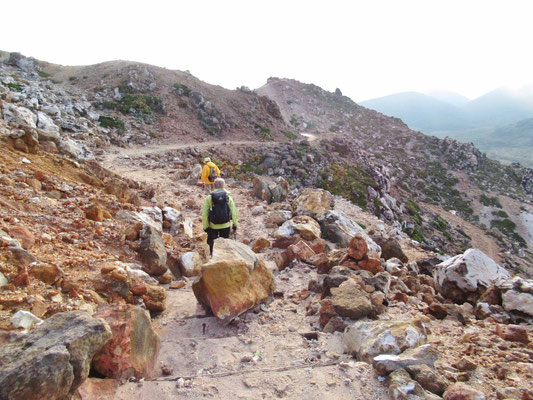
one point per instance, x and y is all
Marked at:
(116, 152)
(263, 354)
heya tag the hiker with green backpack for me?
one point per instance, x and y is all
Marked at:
(210, 172)
(218, 214)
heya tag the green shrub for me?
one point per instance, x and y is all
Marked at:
(108, 121)
(349, 181)
(290, 134)
(500, 213)
(414, 211)
(490, 201)
(186, 90)
(417, 235)
(13, 86)
(264, 131)
(43, 74)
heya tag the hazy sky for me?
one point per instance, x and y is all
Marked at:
(366, 48)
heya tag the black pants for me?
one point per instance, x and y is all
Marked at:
(212, 234)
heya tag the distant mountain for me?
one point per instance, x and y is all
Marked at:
(455, 99)
(500, 107)
(420, 111)
(448, 111)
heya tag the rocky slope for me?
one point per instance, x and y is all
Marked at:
(337, 301)
(414, 168)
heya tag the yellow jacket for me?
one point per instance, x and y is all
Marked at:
(205, 172)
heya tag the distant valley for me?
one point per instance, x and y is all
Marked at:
(500, 123)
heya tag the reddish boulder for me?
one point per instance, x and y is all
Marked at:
(461, 391)
(23, 235)
(357, 249)
(299, 251)
(512, 333)
(370, 264)
(47, 273)
(155, 298)
(133, 347)
(22, 279)
(260, 244)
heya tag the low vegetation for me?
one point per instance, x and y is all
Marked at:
(349, 181)
(108, 121)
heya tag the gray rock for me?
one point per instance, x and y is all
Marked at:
(173, 217)
(27, 64)
(384, 364)
(152, 252)
(516, 301)
(53, 359)
(19, 115)
(402, 387)
(466, 276)
(366, 340)
(339, 228)
(270, 190)
(46, 123)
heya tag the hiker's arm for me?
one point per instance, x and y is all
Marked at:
(217, 170)
(234, 215)
(205, 212)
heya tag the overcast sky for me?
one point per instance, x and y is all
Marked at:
(366, 48)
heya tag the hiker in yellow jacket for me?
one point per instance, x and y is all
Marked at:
(209, 173)
(218, 213)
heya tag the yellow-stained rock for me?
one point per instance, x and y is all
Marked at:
(234, 281)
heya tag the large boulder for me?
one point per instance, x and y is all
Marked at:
(339, 228)
(277, 217)
(53, 359)
(19, 115)
(234, 281)
(466, 276)
(270, 190)
(135, 217)
(314, 202)
(350, 301)
(134, 346)
(366, 340)
(46, 123)
(516, 301)
(152, 252)
(306, 227)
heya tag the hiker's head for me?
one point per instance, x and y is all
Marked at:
(207, 159)
(219, 183)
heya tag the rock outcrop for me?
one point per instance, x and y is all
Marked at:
(133, 347)
(466, 276)
(54, 358)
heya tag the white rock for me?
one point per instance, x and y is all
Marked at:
(46, 123)
(367, 340)
(19, 115)
(191, 263)
(516, 301)
(25, 319)
(25, 160)
(257, 210)
(3, 280)
(467, 272)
